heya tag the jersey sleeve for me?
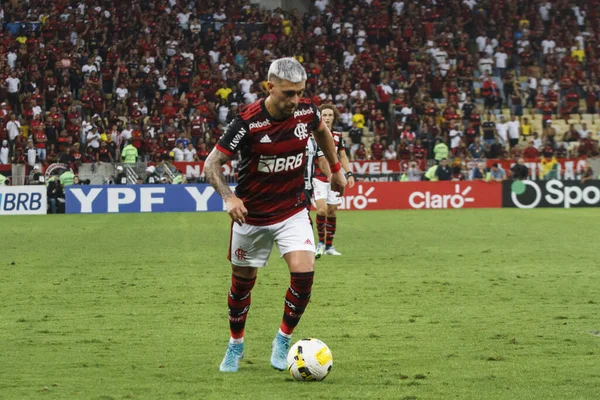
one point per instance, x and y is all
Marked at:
(230, 141)
(317, 114)
(341, 144)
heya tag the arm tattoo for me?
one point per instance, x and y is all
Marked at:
(214, 173)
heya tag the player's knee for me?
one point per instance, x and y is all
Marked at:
(300, 261)
(244, 272)
(331, 211)
(306, 266)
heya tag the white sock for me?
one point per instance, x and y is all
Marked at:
(236, 341)
(284, 334)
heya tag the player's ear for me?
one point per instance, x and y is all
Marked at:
(270, 86)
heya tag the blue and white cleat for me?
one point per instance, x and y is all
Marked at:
(320, 250)
(233, 356)
(280, 347)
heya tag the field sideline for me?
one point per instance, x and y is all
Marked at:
(469, 304)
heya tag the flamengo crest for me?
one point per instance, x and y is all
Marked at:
(301, 131)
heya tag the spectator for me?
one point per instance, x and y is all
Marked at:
(586, 173)
(179, 153)
(189, 154)
(355, 135)
(514, 128)
(361, 153)
(93, 139)
(496, 173)
(390, 153)
(502, 131)
(4, 152)
(519, 170)
(479, 173)
(443, 171)
(455, 138)
(13, 87)
(358, 119)
(31, 154)
(476, 150)
(489, 131)
(13, 127)
(377, 149)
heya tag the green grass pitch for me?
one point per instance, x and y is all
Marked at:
(467, 304)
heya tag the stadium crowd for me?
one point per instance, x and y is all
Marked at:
(87, 81)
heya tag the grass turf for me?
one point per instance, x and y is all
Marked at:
(470, 304)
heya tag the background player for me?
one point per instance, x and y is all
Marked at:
(327, 199)
(269, 204)
(314, 157)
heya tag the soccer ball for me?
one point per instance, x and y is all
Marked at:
(309, 360)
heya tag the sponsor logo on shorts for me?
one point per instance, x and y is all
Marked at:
(308, 242)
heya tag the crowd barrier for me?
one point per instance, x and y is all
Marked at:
(102, 199)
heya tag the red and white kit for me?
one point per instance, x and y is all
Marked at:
(270, 181)
(321, 182)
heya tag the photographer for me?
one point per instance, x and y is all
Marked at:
(121, 178)
(38, 177)
(55, 193)
(413, 173)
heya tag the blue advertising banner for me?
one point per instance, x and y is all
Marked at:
(104, 199)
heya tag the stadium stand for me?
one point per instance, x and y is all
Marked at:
(81, 79)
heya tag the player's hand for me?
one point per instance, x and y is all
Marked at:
(236, 209)
(350, 181)
(338, 182)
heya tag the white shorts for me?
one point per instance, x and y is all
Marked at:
(323, 191)
(251, 245)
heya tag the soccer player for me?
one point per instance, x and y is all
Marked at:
(327, 198)
(314, 157)
(269, 204)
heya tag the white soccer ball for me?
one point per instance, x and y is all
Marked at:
(309, 360)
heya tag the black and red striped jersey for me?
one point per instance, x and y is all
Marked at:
(338, 140)
(271, 174)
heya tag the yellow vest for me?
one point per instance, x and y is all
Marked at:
(526, 129)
